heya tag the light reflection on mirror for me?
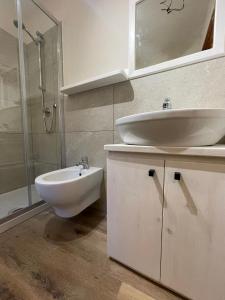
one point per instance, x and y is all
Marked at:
(169, 29)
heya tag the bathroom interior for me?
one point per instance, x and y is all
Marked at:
(112, 149)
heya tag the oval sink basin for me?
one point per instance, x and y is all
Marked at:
(173, 127)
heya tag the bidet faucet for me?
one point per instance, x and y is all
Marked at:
(167, 104)
(83, 162)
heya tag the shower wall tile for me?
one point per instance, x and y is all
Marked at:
(10, 119)
(51, 82)
(12, 169)
(34, 93)
(90, 111)
(32, 58)
(45, 147)
(12, 150)
(12, 177)
(89, 144)
(50, 47)
(37, 124)
(10, 88)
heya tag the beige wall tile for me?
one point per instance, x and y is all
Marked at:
(12, 177)
(117, 139)
(90, 111)
(45, 147)
(41, 168)
(12, 150)
(10, 119)
(89, 144)
(37, 124)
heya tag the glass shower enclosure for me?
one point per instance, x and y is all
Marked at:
(31, 108)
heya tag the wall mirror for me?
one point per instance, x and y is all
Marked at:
(166, 34)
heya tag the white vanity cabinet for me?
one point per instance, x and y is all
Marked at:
(134, 209)
(193, 240)
(169, 227)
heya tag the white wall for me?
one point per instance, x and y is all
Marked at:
(95, 36)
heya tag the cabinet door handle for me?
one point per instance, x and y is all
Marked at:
(151, 172)
(177, 176)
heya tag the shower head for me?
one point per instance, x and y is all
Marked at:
(15, 22)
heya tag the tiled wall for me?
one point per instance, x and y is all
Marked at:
(90, 116)
(12, 168)
(44, 146)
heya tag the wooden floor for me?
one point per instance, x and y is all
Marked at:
(50, 258)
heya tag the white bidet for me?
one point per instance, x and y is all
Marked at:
(70, 190)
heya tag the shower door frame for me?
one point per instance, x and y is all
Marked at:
(30, 211)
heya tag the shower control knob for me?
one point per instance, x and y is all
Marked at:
(47, 111)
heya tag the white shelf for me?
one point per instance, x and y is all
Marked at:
(96, 82)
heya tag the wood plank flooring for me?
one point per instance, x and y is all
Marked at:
(48, 257)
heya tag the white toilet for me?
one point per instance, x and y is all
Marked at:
(70, 190)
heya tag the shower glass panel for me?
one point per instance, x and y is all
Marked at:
(13, 181)
(31, 131)
(40, 37)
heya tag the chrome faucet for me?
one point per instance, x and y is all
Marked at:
(83, 162)
(167, 104)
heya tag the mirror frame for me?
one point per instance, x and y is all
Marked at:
(218, 49)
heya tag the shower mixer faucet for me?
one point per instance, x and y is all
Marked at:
(167, 104)
(84, 162)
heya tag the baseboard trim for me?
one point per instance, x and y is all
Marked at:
(23, 217)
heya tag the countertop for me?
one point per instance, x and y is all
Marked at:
(211, 151)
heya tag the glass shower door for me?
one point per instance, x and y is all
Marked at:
(13, 179)
(39, 41)
(31, 127)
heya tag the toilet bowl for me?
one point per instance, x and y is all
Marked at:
(70, 190)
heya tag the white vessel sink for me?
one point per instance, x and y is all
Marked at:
(173, 127)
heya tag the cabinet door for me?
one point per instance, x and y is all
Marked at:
(193, 243)
(134, 209)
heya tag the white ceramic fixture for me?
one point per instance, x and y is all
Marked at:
(174, 127)
(70, 190)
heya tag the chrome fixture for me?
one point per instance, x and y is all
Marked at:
(84, 162)
(15, 22)
(47, 111)
(167, 104)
